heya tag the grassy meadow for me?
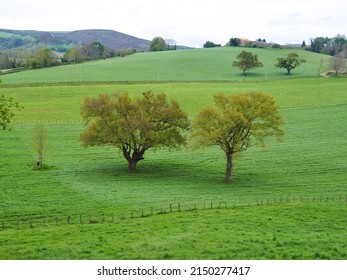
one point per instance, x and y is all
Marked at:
(187, 65)
(287, 201)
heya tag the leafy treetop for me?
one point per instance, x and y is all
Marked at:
(6, 112)
(246, 60)
(133, 125)
(239, 122)
(290, 62)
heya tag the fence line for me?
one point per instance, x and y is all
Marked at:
(118, 216)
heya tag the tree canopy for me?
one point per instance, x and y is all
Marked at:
(234, 42)
(7, 104)
(210, 44)
(246, 60)
(158, 44)
(133, 125)
(239, 122)
(290, 62)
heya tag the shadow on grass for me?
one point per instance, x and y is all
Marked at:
(156, 172)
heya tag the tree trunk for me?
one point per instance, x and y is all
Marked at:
(229, 166)
(132, 165)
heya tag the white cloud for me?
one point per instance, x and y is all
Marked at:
(188, 22)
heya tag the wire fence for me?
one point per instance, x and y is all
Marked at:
(30, 221)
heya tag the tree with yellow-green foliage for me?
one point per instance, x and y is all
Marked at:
(7, 104)
(133, 125)
(239, 122)
(40, 142)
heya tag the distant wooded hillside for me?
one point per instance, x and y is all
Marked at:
(61, 41)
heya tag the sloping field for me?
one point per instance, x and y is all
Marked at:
(186, 65)
(287, 201)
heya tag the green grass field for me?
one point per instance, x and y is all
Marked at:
(187, 65)
(287, 201)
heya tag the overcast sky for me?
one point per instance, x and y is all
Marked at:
(190, 23)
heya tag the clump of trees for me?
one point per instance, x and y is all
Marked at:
(123, 53)
(234, 42)
(92, 51)
(210, 44)
(330, 46)
(22, 58)
(158, 44)
(45, 57)
(135, 125)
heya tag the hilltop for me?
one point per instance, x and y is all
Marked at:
(213, 64)
(61, 41)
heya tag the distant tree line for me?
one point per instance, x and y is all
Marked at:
(44, 57)
(330, 46)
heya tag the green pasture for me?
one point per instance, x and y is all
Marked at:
(187, 65)
(287, 201)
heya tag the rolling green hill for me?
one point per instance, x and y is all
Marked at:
(287, 201)
(186, 65)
